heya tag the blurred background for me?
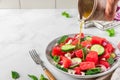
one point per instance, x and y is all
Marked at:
(38, 4)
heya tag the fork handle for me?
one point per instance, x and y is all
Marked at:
(49, 74)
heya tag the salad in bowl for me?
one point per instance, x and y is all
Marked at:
(85, 57)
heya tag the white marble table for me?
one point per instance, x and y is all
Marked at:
(22, 30)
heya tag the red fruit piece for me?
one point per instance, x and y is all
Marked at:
(92, 56)
(77, 35)
(57, 51)
(77, 70)
(75, 42)
(86, 44)
(79, 53)
(105, 55)
(87, 65)
(66, 62)
(105, 63)
(69, 38)
(109, 48)
(97, 40)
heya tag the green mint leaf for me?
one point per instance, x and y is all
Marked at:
(42, 77)
(110, 60)
(63, 13)
(93, 71)
(56, 58)
(33, 77)
(61, 68)
(15, 75)
(62, 39)
(67, 15)
(111, 32)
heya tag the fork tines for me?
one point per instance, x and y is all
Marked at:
(35, 56)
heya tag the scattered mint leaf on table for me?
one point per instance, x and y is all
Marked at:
(42, 77)
(111, 32)
(67, 15)
(33, 77)
(15, 75)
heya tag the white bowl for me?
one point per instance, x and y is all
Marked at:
(52, 43)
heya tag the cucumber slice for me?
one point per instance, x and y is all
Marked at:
(88, 38)
(76, 60)
(62, 39)
(73, 66)
(98, 48)
(67, 47)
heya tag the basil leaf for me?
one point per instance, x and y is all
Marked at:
(62, 39)
(93, 71)
(42, 77)
(56, 58)
(61, 68)
(111, 32)
(110, 60)
(15, 75)
(33, 77)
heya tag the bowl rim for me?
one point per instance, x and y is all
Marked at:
(114, 66)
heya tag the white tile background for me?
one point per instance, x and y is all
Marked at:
(44, 4)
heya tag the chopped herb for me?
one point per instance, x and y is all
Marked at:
(62, 39)
(89, 38)
(110, 60)
(15, 75)
(56, 58)
(33, 77)
(61, 68)
(84, 53)
(42, 77)
(67, 15)
(93, 71)
(111, 32)
(51, 54)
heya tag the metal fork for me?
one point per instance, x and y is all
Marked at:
(38, 61)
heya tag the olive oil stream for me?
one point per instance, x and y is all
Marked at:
(82, 23)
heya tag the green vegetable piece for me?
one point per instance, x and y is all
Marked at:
(76, 60)
(93, 71)
(15, 75)
(84, 53)
(73, 66)
(68, 47)
(110, 60)
(88, 38)
(56, 58)
(98, 48)
(61, 68)
(51, 54)
(62, 39)
(67, 15)
(113, 55)
(33, 77)
(63, 13)
(111, 32)
(42, 77)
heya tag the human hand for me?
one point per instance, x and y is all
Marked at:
(110, 10)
